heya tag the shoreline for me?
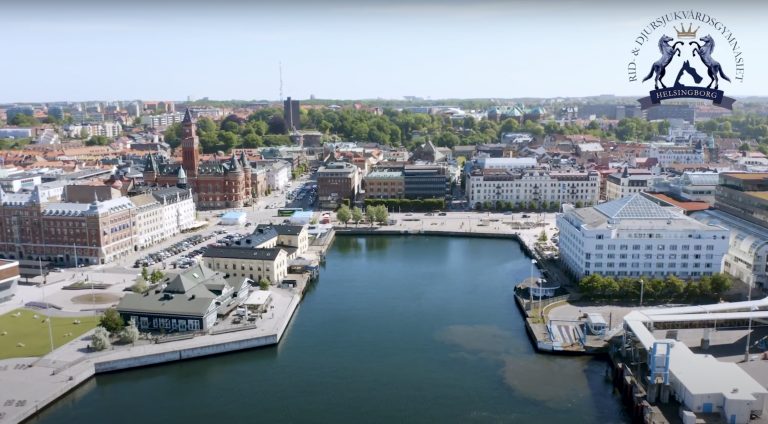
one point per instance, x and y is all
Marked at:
(45, 382)
(54, 377)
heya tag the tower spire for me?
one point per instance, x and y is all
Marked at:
(187, 117)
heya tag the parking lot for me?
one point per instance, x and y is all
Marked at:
(187, 256)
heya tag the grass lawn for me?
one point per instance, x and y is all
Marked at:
(21, 326)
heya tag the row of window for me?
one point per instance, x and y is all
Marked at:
(647, 256)
(683, 274)
(242, 267)
(659, 265)
(672, 247)
(167, 323)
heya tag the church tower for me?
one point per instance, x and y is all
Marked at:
(190, 146)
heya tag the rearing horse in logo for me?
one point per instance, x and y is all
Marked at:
(705, 53)
(667, 53)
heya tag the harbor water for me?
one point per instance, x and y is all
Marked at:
(397, 329)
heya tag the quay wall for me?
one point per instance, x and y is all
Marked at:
(342, 231)
(182, 354)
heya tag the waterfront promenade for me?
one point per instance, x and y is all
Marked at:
(488, 224)
(30, 384)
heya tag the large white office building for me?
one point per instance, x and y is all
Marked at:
(532, 185)
(633, 237)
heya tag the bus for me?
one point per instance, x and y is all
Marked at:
(288, 211)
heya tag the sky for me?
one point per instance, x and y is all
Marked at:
(77, 50)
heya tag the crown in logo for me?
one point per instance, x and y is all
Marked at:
(682, 33)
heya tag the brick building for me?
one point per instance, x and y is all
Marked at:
(215, 184)
(336, 181)
(64, 233)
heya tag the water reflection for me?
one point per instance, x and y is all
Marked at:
(376, 243)
(347, 245)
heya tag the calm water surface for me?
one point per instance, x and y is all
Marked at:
(398, 329)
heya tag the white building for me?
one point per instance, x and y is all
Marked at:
(20, 181)
(246, 262)
(162, 120)
(747, 257)
(516, 138)
(633, 236)
(506, 163)
(9, 279)
(48, 136)
(681, 131)
(15, 132)
(206, 112)
(669, 153)
(52, 191)
(622, 184)
(532, 185)
(696, 186)
(162, 214)
(106, 129)
(278, 175)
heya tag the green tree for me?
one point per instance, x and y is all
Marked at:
(370, 214)
(252, 141)
(112, 321)
(720, 283)
(381, 214)
(140, 286)
(263, 284)
(357, 215)
(97, 140)
(691, 291)
(705, 287)
(100, 339)
(173, 134)
(344, 214)
(448, 139)
(744, 147)
(156, 276)
(129, 334)
(145, 273)
(673, 287)
(509, 125)
(23, 120)
(543, 236)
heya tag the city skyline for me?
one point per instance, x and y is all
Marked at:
(345, 50)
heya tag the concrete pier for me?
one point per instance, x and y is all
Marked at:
(28, 385)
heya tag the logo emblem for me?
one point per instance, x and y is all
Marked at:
(698, 74)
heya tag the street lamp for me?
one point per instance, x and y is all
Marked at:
(48, 317)
(530, 285)
(642, 289)
(749, 326)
